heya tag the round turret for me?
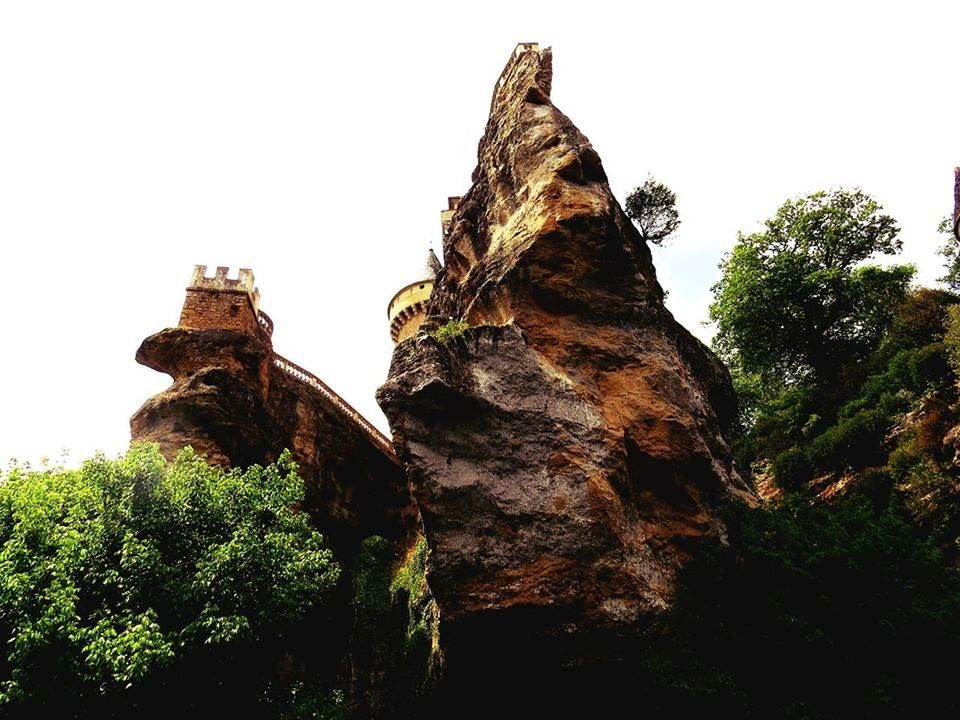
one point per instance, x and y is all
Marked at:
(408, 308)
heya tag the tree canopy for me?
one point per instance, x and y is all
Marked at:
(950, 250)
(652, 206)
(117, 571)
(809, 611)
(796, 302)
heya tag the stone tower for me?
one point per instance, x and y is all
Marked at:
(222, 303)
(407, 309)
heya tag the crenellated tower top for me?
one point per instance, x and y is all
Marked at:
(244, 282)
(222, 302)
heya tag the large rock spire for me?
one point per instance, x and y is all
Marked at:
(565, 452)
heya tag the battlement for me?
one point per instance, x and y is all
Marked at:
(244, 282)
(224, 303)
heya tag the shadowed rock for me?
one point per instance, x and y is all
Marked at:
(566, 452)
(237, 402)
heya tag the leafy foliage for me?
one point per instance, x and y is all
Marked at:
(843, 373)
(884, 425)
(313, 702)
(371, 581)
(810, 611)
(410, 582)
(950, 250)
(795, 305)
(803, 443)
(124, 569)
(652, 206)
(449, 331)
(951, 337)
(395, 617)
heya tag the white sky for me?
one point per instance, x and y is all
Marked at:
(316, 143)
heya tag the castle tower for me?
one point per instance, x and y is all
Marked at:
(223, 303)
(407, 310)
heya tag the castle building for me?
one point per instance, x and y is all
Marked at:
(220, 302)
(407, 309)
(238, 402)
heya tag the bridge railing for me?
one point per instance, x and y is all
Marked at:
(305, 376)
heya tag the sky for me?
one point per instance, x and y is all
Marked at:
(316, 143)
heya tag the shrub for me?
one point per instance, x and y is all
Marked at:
(855, 442)
(371, 581)
(792, 469)
(448, 332)
(395, 624)
(124, 568)
(951, 337)
(810, 611)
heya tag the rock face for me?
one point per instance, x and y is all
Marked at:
(235, 401)
(566, 451)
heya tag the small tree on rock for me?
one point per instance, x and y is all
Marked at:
(652, 206)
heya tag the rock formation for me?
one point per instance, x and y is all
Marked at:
(566, 451)
(238, 403)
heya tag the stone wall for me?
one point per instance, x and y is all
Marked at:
(218, 309)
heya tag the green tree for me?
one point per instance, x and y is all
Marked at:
(950, 250)
(810, 611)
(134, 576)
(796, 303)
(652, 206)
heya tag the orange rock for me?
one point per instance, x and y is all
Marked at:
(567, 452)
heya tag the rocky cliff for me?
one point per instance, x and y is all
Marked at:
(233, 402)
(566, 452)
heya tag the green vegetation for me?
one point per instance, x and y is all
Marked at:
(411, 573)
(395, 623)
(951, 337)
(309, 701)
(810, 611)
(410, 582)
(449, 331)
(131, 582)
(848, 382)
(371, 581)
(796, 306)
(950, 250)
(136, 585)
(652, 207)
(827, 352)
(847, 376)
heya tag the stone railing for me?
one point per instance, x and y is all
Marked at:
(304, 376)
(265, 322)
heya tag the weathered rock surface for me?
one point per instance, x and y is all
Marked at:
(236, 402)
(230, 402)
(566, 452)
